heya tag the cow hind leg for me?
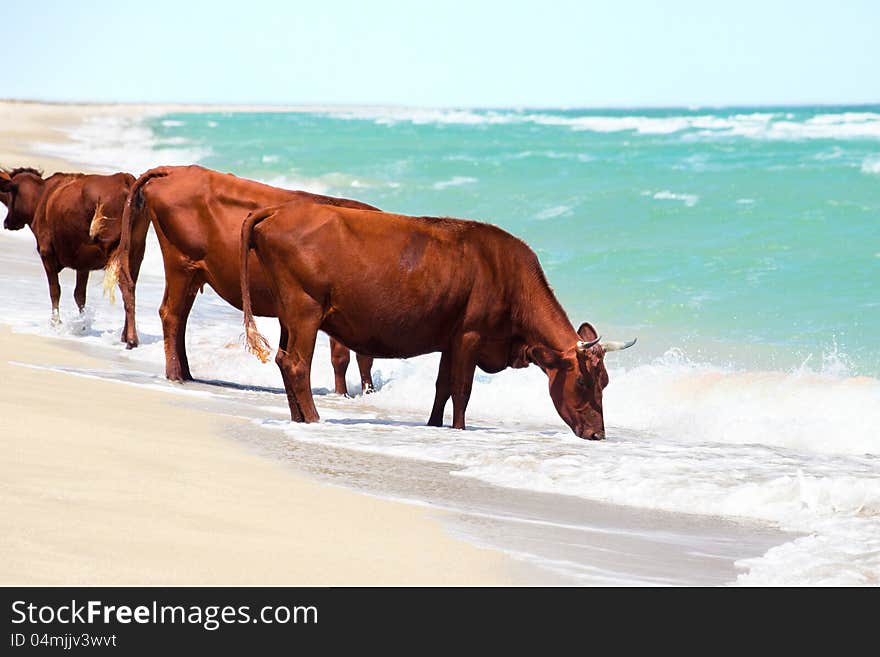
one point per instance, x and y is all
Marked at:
(180, 293)
(442, 391)
(365, 366)
(462, 367)
(54, 288)
(302, 316)
(340, 357)
(79, 292)
(280, 361)
(297, 364)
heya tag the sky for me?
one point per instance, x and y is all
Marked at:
(444, 53)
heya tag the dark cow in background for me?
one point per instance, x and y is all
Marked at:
(74, 218)
(197, 215)
(393, 286)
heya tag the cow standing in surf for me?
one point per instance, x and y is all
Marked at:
(393, 286)
(197, 215)
(74, 218)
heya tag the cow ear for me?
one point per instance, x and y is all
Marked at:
(5, 181)
(587, 333)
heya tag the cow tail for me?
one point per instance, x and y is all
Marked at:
(126, 262)
(255, 342)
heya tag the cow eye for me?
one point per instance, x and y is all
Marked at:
(580, 381)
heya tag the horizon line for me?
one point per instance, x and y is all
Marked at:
(315, 106)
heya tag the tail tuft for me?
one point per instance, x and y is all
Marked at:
(111, 276)
(98, 220)
(256, 343)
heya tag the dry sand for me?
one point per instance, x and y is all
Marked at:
(102, 483)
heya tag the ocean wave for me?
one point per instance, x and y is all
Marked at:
(871, 164)
(690, 200)
(455, 181)
(755, 125)
(335, 183)
(553, 212)
(119, 143)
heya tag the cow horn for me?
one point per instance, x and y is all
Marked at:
(618, 346)
(582, 346)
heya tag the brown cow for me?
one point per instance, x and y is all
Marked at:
(197, 214)
(74, 218)
(406, 286)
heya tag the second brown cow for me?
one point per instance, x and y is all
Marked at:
(197, 215)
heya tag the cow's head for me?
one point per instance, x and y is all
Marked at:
(577, 377)
(20, 191)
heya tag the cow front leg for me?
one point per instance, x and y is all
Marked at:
(54, 289)
(180, 293)
(79, 292)
(443, 388)
(340, 357)
(365, 367)
(464, 363)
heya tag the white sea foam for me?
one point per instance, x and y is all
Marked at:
(121, 143)
(455, 181)
(871, 164)
(690, 200)
(336, 183)
(555, 211)
(756, 125)
(306, 184)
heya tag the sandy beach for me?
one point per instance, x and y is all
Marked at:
(106, 484)
(134, 490)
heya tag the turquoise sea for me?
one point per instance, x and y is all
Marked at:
(752, 234)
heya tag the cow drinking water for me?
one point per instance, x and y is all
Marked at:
(394, 286)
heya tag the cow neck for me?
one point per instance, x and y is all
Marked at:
(545, 324)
